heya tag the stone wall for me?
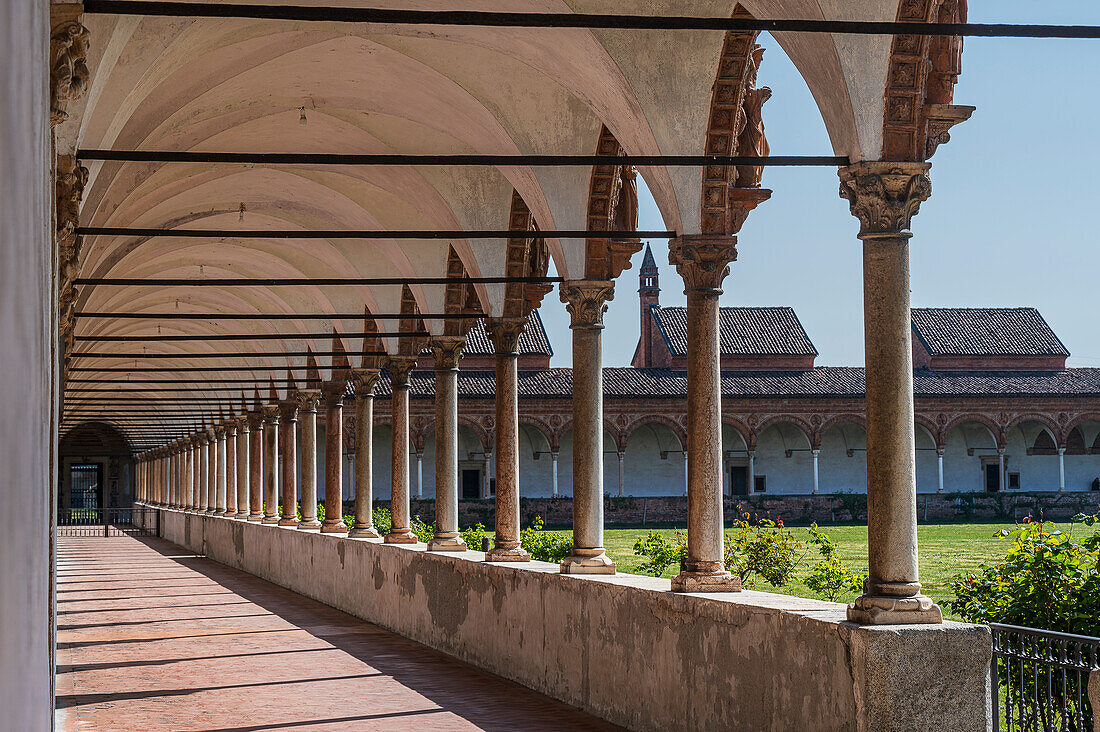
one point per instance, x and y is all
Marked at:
(624, 647)
(1094, 698)
(823, 509)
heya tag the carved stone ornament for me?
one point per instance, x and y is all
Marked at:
(270, 413)
(586, 301)
(69, 73)
(504, 334)
(334, 391)
(243, 424)
(308, 400)
(885, 196)
(703, 261)
(447, 350)
(940, 118)
(399, 368)
(364, 381)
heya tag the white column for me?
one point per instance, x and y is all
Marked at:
(1061, 469)
(816, 485)
(487, 475)
(1001, 469)
(939, 465)
(554, 465)
(419, 476)
(750, 489)
(686, 474)
(621, 455)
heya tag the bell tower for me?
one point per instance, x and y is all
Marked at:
(649, 294)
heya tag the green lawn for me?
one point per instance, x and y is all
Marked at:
(946, 550)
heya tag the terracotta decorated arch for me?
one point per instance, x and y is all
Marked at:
(798, 422)
(1048, 423)
(995, 430)
(544, 429)
(648, 419)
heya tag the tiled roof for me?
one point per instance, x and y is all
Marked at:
(533, 340)
(829, 381)
(742, 331)
(986, 332)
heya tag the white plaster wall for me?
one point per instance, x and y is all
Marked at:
(838, 473)
(536, 477)
(26, 333)
(962, 472)
(928, 476)
(785, 475)
(646, 474)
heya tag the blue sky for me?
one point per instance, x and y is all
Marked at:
(1010, 221)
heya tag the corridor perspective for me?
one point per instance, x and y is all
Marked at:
(152, 637)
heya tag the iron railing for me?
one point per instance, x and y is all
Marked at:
(133, 521)
(1040, 680)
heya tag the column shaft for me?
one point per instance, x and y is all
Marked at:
(255, 468)
(506, 541)
(244, 438)
(222, 472)
(334, 460)
(447, 350)
(288, 433)
(231, 468)
(399, 369)
(271, 464)
(307, 409)
(364, 435)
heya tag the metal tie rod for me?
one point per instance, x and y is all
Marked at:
(249, 337)
(182, 369)
(319, 281)
(229, 354)
(574, 20)
(367, 233)
(464, 159)
(273, 316)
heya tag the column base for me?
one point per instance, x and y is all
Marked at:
(592, 561)
(255, 519)
(401, 536)
(447, 543)
(270, 520)
(230, 514)
(890, 610)
(219, 512)
(288, 522)
(507, 554)
(313, 525)
(363, 532)
(334, 527)
(706, 582)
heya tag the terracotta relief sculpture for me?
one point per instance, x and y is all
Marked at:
(751, 141)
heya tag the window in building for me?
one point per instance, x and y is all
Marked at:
(1013, 480)
(85, 482)
(760, 485)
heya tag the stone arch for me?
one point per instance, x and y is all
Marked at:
(94, 438)
(931, 428)
(605, 259)
(1047, 423)
(1081, 419)
(552, 439)
(747, 435)
(802, 425)
(838, 419)
(660, 419)
(995, 430)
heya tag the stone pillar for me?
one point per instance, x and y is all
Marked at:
(334, 458)
(173, 476)
(816, 453)
(364, 381)
(621, 455)
(256, 467)
(446, 350)
(586, 301)
(221, 472)
(271, 464)
(212, 471)
(554, 469)
(204, 473)
(687, 476)
(419, 475)
(288, 447)
(1094, 697)
(399, 368)
(244, 436)
(1001, 469)
(307, 410)
(750, 489)
(939, 469)
(703, 262)
(231, 468)
(505, 337)
(885, 196)
(1061, 469)
(487, 475)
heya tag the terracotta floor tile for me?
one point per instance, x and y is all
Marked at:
(152, 638)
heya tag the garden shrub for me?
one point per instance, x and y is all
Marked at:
(829, 577)
(1048, 579)
(474, 536)
(764, 549)
(546, 546)
(661, 552)
(383, 520)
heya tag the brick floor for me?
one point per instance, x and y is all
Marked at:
(151, 637)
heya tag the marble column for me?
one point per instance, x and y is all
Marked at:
(399, 368)
(271, 463)
(586, 301)
(816, 453)
(288, 447)
(204, 473)
(446, 350)
(1061, 470)
(243, 457)
(364, 381)
(231, 468)
(885, 196)
(703, 263)
(622, 459)
(1000, 469)
(174, 472)
(554, 471)
(939, 469)
(307, 412)
(750, 489)
(212, 471)
(221, 472)
(190, 479)
(256, 467)
(333, 393)
(505, 334)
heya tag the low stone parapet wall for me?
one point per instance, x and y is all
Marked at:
(624, 647)
(822, 508)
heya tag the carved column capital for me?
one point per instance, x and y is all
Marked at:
(69, 73)
(447, 350)
(230, 427)
(333, 392)
(364, 381)
(504, 334)
(399, 368)
(308, 400)
(288, 410)
(885, 196)
(703, 261)
(256, 419)
(244, 423)
(270, 413)
(586, 301)
(218, 431)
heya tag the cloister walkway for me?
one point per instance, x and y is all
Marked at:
(152, 637)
